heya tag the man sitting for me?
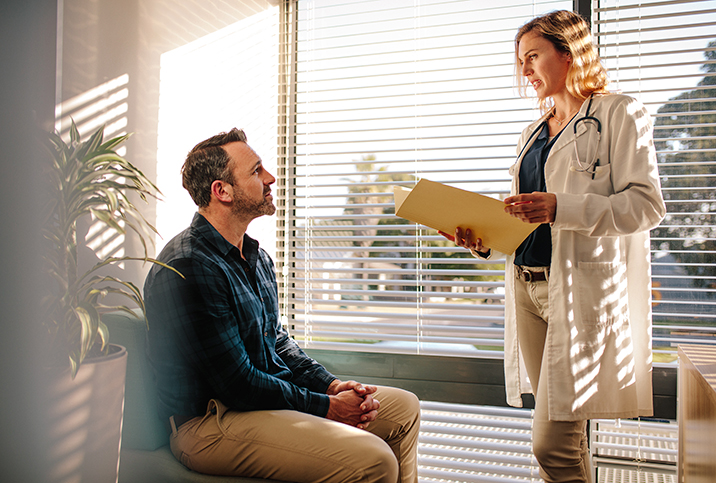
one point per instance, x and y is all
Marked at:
(240, 396)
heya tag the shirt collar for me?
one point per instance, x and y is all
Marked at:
(206, 230)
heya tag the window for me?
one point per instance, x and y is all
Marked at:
(380, 94)
(384, 94)
(237, 90)
(664, 53)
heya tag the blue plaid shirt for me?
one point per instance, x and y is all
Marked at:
(216, 334)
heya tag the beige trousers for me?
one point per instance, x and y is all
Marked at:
(560, 447)
(297, 447)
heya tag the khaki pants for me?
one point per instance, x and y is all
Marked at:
(560, 447)
(297, 447)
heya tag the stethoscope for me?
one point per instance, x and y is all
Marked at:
(591, 166)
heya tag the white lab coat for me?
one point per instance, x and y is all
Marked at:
(598, 345)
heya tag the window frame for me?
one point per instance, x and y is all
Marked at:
(433, 375)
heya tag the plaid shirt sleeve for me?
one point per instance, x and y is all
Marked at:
(307, 372)
(213, 336)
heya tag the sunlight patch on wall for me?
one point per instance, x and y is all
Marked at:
(226, 79)
(106, 104)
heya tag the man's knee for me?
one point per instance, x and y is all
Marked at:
(412, 410)
(406, 403)
(381, 465)
(412, 403)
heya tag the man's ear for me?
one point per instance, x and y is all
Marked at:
(222, 191)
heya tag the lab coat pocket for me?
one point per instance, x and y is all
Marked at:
(599, 181)
(600, 291)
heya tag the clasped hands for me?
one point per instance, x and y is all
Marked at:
(352, 403)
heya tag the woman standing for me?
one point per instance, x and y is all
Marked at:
(578, 307)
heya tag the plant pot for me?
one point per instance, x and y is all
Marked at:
(84, 420)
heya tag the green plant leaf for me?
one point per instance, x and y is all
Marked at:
(88, 178)
(103, 333)
(89, 322)
(114, 142)
(74, 133)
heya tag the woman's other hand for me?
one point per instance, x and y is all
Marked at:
(535, 207)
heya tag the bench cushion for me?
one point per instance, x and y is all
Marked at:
(141, 428)
(160, 466)
(145, 455)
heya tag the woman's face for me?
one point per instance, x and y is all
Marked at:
(543, 65)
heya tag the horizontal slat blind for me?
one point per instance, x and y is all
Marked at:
(387, 93)
(380, 94)
(467, 443)
(461, 443)
(634, 450)
(663, 53)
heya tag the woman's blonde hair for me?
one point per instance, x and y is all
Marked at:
(569, 33)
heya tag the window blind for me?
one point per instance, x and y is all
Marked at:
(663, 53)
(382, 94)
(467, 444)
(378, 94)
(634, 450)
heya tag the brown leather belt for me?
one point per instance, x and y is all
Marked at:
(529, 275)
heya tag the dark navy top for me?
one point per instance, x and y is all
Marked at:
(536, 250)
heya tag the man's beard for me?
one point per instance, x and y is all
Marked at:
(242, 205)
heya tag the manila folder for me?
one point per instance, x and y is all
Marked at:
(445, 208)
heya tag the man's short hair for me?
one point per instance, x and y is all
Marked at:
(207, 162)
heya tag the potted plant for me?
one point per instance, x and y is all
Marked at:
(87, 179)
